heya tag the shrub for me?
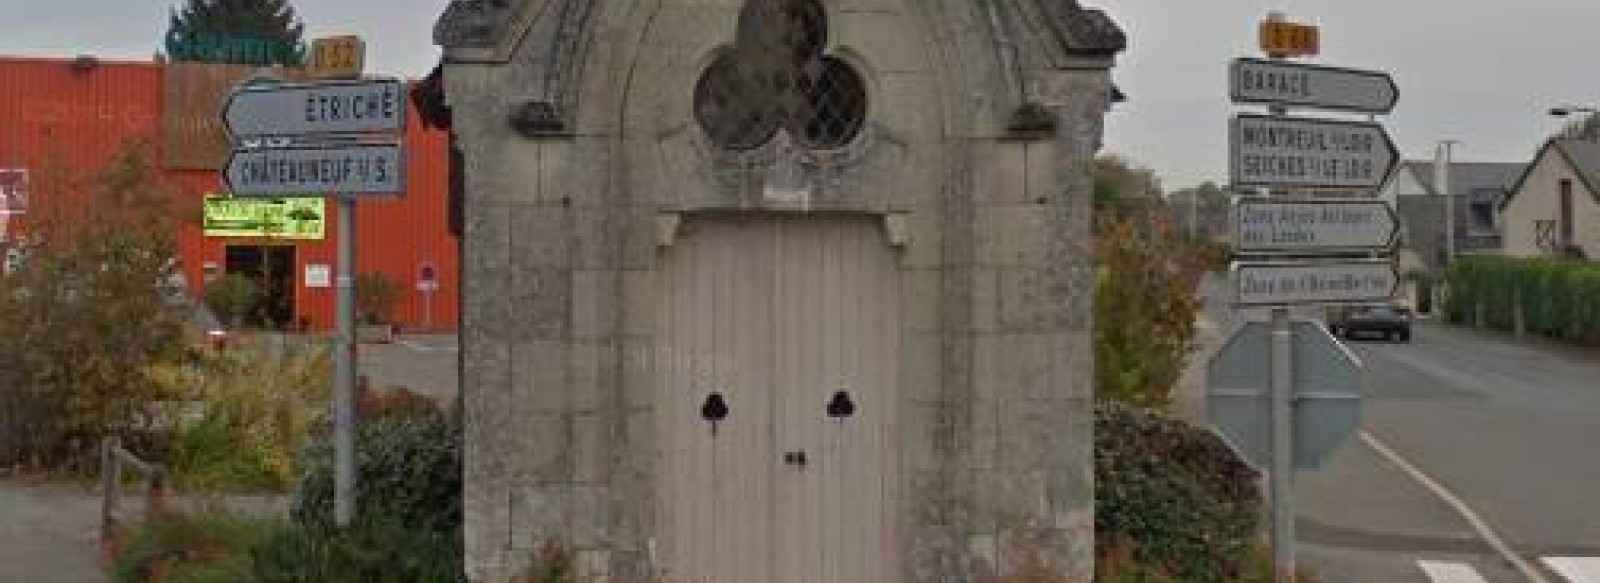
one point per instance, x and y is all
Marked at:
(1173, 496)
(89, 314)
(376, 294)
(1145, 305)
(232, 296)
(177, 548)
(408, 469)
(1558, 298)
(377, 550)
(260, 405)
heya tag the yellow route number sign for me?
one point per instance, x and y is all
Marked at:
(1290, 39)
(338, 57)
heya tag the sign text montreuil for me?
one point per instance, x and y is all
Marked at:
(1321, 153)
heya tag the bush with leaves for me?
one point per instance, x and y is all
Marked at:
(376, 294)
(259, 407)
(378, 549)
(1173, 497)
(90, 314)
(1145, 303)
(177, 548)
(1557, 298)
(232, 297)
(408, 468)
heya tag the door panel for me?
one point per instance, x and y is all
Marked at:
(717, 306)
(780, 316)
(837, 306)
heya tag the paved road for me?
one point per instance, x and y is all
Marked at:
(1511, 428)
(48, 533)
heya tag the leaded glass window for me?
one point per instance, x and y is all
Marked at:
(777, 76)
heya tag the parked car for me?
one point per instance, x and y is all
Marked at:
(1389, 321)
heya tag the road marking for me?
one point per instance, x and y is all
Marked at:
(1478, 523)
(1576, 569)
(1440, 572)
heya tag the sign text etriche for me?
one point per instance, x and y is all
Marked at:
(327, 108)
(1281, 151)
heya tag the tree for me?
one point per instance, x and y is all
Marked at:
(91, 316)
(247, 32)
(1146, 275)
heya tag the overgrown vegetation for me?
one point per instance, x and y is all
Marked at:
(376, 294)
(231, 297)
(1556, 298)
(407, 528)
(1172, 500)
(89, 316)
(1145, 288)
(259, 407)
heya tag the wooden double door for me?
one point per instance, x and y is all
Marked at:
(778, 414)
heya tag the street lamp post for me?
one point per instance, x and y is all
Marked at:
(1566, 110)
(1441, 182)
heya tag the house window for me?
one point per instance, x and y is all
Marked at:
(776, 76)
(1566, 238)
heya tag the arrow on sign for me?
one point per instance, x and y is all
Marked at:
(1284, 151)
(1276, 225)
(1323, 282)
(335, 107)
(360, 168)
(1297, 84)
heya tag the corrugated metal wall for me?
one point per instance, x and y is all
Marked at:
(81, 116)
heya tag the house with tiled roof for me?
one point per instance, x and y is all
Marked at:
(1554, 208)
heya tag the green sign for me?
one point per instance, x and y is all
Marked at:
(276, 218)
(243, 50)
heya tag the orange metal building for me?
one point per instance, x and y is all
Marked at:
(77, 114)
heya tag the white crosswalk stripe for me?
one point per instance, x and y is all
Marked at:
(1576, 569)
(1442, 572)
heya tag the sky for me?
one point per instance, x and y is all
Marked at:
(1482, 72)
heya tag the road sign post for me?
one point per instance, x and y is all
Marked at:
(1268, 409)
(323, 138)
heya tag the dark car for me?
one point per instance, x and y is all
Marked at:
(1385, 321)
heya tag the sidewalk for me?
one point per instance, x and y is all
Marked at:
(49, 533)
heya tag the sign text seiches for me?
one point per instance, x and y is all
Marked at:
(354, 107)
(1298, 84)
(1281, 151)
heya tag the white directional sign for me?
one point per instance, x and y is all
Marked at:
(1284, 151)
(1298, 84)
(1273, 225)
(1326, 406)
(338, 107)
(316, 171)
(1330, 281)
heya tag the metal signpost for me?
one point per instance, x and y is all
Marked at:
(331, 138)
(1285, 393)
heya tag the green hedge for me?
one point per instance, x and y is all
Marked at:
(1559, 298)
(1173, 500)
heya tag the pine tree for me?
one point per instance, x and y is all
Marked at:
(249, 32)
